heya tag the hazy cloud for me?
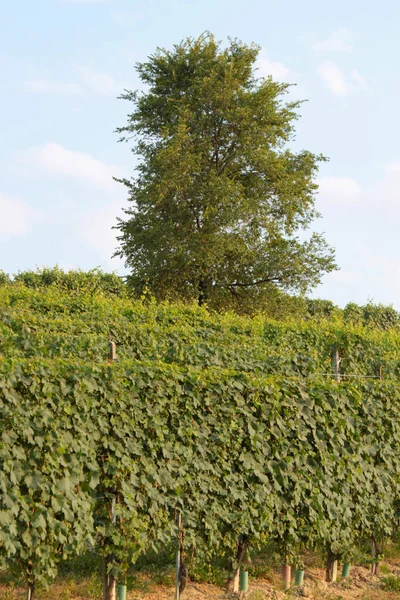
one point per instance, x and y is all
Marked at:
(97, 229)
(339, 41)
(336, 80)
(101, 83)
(45, 86)
(268, 67)
(359, 80)
(393, 168)
(345, 276)
(57, 160)
(339, 189)
(388, 189)
(17, 216)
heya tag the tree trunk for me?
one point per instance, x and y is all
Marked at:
(109, 583)
(331, 567)
(376, 550)
(233, 582)
(203, 296)
(182, 576)
(181, 570)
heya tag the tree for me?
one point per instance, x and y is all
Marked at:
(219, 199)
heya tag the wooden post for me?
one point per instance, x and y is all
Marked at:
(332, 563)
(109, 580)
(334, 570)
(113, 350)
(373, 556)
(331, 567)
(31, 588)
(178, 556)
(233, 583)
(113, 512)
(236, 581)
(336, 363)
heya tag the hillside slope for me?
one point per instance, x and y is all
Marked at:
(52, 323)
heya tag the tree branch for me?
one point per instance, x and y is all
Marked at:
(251, 283)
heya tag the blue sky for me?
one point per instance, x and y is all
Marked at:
(64, 62)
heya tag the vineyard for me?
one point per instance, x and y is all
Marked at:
(216, 433)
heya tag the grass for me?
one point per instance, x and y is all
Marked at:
(82, 577)
(391, 583)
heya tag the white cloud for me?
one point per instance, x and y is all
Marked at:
(359, 80)
(97, 229)
(17, 216)
(58, 160)
(339, 41)
(388, 189)
(268, 67)
(339, 189)
(344, 276)
(364, 230)
(45, 86)
(90, 79)
(102, 83)
(393, 168)
(334, 78)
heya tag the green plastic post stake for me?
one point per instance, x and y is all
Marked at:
(121, 592)
(244, 581)
(346, 569)
(299, 578)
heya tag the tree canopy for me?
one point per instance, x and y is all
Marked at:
(219, 202)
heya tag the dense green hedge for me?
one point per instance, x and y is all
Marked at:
(235, 422)
(52, 323)
(300, 461)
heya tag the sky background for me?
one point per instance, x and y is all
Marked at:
(64, 62)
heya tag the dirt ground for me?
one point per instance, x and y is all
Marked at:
(361, 585)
